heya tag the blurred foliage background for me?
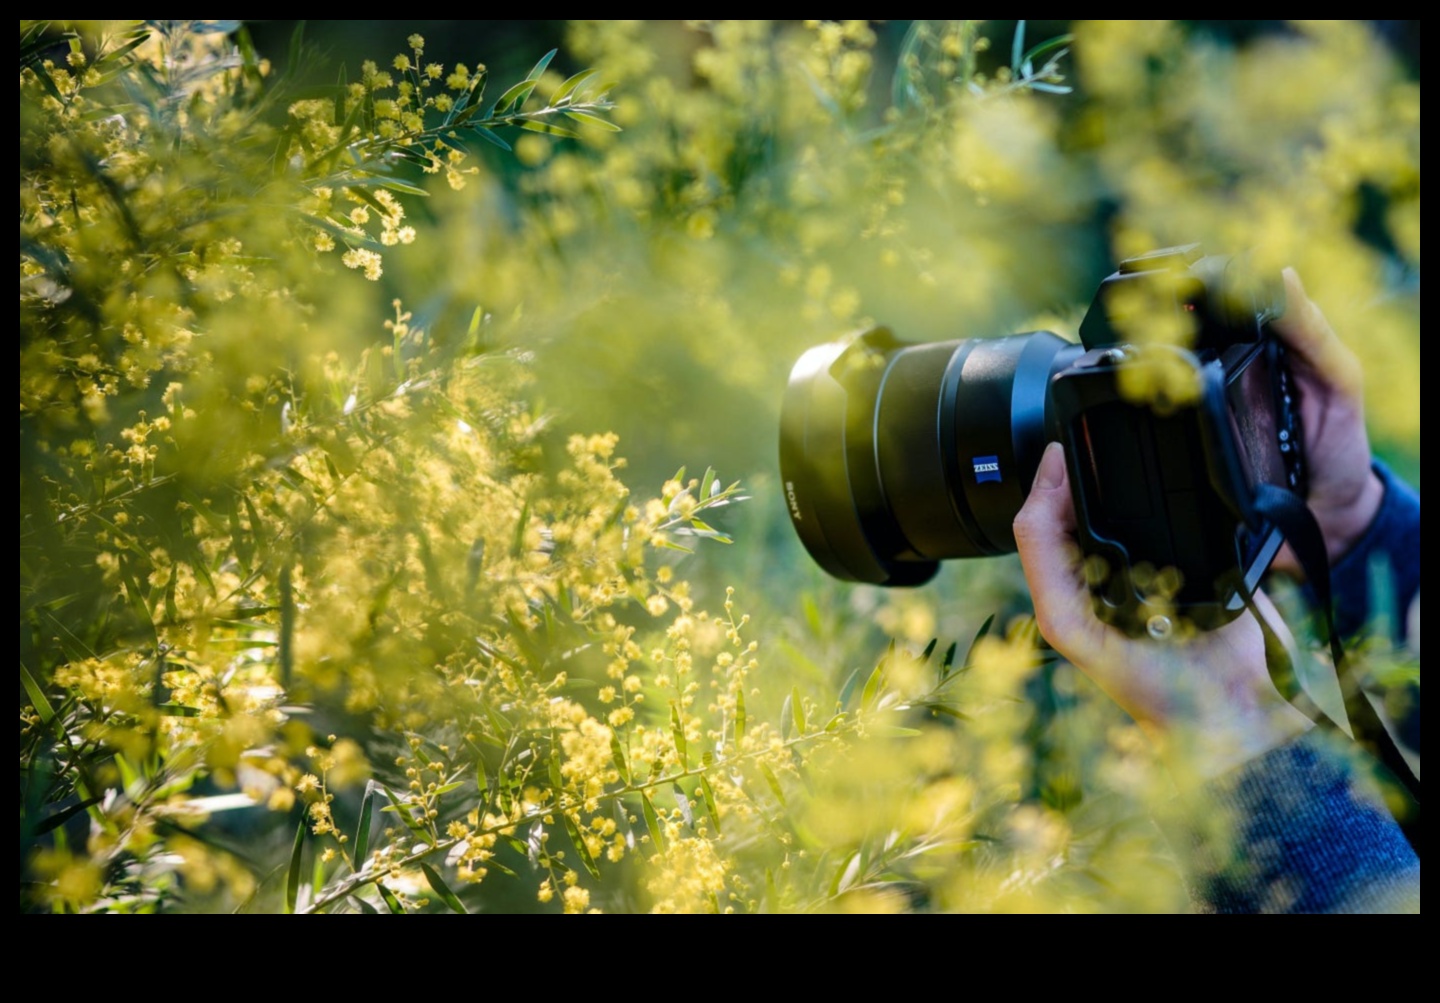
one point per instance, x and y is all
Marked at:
(334, 591)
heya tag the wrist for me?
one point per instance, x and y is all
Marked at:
(1345, 523)
(1205, 749)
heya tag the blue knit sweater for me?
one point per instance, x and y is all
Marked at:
(1302, 828)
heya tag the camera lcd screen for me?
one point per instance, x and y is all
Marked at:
(1251, 399)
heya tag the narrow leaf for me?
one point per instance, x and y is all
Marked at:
(677, 730)
(443, 890)
(872, 687)
(740, 714)
(929, 650)
(404, 187)
(652, 822)
(617, 752)
(578, 841)
(709, 794)
(706, 483)
(568, 87)
(64, 815)
(682, 801)
(786, 718)
(797, 710)
(540, 66)
(362, 831)
(774, 783)
(1017, 46)
(514, 97)
(535, 125)
(390, 900)
(590, 118)
(940, 708)
(979, 635)
(485, 133)
(37, 696)
(848, 690)
(1047, 46)
(292, 879)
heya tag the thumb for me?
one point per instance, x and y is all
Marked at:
(1313, 341)
(1045, 537)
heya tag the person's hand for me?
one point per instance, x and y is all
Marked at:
(1344, 491)
(1206, 700)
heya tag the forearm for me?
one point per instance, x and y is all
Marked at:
(1298, 830)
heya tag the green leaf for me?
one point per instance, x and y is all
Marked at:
(485, 133)
(979, 635)
(443, 890)
(576, 840)
(940, 708)
(64, 815)
(514, 97)
(123, 51)
(848, 690)
(1040, 85)
(540, 66)
(177, 710)
(706, 483)
(929, 651)
(894, 731)
(362, 831)
(390, 900)
(358, 191)
(292, 879)
(652, 822)
(447, 788)
(297, 44)
(403, 810)
(404, 187)
(774, 783)
(709, 795)
(787, 718)
(948, 662)
(535, 125)
(1017, 46)
(740, 714)
(682, 801)
(797, 710)
(37, 696)
(872, 687)
(677, 731)
(590, 118)
(1047, 46)
(363, 906)
(617, 752)
(570, 86)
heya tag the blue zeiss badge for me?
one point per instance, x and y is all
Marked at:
(987, 468)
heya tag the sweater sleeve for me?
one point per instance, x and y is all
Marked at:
(1298, 830)
(1393, 540)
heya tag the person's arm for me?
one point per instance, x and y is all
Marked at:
(1265, 822)
(1364, 511)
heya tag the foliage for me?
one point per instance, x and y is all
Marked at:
(327, 605)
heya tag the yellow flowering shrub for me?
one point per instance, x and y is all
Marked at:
(340, 596)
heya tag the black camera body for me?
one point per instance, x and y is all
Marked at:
(1173, 411)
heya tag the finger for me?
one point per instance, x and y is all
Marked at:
(1045, 537)
(1313, 341)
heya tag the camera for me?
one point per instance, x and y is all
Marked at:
(1174, 410)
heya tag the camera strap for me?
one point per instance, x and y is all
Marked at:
(1288, 513)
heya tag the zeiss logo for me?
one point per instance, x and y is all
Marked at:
(987, 468)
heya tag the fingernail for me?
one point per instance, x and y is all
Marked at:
(1052, 468)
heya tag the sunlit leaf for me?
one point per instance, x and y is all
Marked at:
(437, 883)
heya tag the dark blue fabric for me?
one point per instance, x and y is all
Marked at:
(1298, 830)
(1394, 539)
(1301, 829)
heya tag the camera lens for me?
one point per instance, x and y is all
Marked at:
(896, 456)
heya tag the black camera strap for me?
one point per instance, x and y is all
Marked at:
(1288, 513)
